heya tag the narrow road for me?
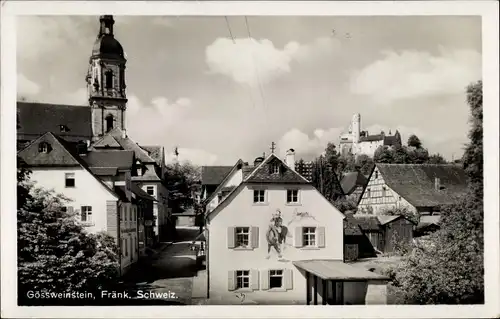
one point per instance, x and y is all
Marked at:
(170, 275)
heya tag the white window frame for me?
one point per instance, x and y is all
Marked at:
(67, 177)
(260, 199)
(242, 231)
(309, 236)
(275, 168)
(241, 275)
(85, 211)
(297, 197)
(277, 273)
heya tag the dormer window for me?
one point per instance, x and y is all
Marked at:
(63, 128)
(44, 147)
(275, 168)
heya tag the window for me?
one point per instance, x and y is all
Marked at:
(86, 214)
(63, 128)
(150, 190)
(368, 192)
(292, 196)
(242, 279)
(109, 122)
(383, 191)
(309, 234)
(275, 279)
(242, 236)
(70, 179)
(109, 79)
(275, 168)
(126, 247)
(43, 147)
(259, 195)
(376, 174)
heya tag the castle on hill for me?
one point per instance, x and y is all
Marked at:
(358, 142)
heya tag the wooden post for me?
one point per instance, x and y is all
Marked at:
(324, 282)
(308, 288)
(315, 289)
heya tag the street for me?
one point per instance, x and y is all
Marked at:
(169, 276)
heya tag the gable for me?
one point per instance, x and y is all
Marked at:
(372, 192)
(232, 179)
(107, 141)
(57, 154)
(264, 173)
(75, 121)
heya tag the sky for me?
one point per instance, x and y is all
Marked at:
(220, 91)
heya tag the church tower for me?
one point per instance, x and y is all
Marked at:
(106, 81)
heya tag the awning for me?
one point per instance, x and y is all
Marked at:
(337, 270)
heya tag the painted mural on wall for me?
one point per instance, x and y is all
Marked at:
(277, 233)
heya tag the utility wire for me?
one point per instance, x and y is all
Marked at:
(259, 82)
(234, 42)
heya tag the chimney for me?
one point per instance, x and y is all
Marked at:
(437, 183)
(290, 158)
(257, 161)
(124, 133)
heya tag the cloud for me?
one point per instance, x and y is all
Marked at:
(195, 156)
(307, 146)
(411, 74)
(250, 61)
(25, 87)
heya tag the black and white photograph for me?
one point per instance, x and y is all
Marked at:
(198, 154)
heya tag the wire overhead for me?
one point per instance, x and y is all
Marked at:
(229, 29)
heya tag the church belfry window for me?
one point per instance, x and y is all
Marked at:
(109, 122)
(109, 79)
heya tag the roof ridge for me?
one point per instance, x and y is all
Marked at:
(51, 104)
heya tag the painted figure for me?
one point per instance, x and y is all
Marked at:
(276, 234)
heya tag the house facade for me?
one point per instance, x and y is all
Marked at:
(274, 239)
(112, 207)
(419, 188)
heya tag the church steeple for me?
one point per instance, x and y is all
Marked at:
(106, 81)
(107, 23)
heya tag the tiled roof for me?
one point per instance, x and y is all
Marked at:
(58, 154)
(126, 143)
(155, 152)
(385, 219)
(352, 180)
(263, 174)
(352, 227)
(139, 192)
(415, 182)
(371, 138)
(214, 175)
(247, 170)
(107, 141)
(118, 159)
(390, 140)
(368, 222)
(104, 171)
(36, 119)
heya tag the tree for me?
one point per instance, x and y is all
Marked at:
(414, 141)
(55, 254)
(346, 163)
(181, 180)
(325, 179)
(436, 159)
(365, 164)
(332, 156)
(383, 155)
(449, 267)
(343, 204)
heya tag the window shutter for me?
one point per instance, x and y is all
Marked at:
(230, 237)
(298, 237)
(231, 280)
(69, 209)
(264, 281)
(321, 237)
(288, 279)
(255, 237)
(254, 279)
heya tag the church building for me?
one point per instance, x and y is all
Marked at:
(358, 142)
(101, 125)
